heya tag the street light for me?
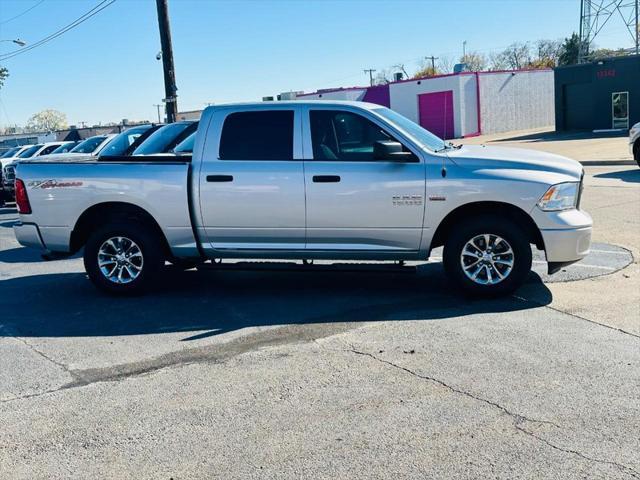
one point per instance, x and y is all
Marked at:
(17, 41)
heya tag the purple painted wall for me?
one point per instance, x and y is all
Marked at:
(436, 113)
(378, 94)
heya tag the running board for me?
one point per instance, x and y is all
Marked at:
(243, 265)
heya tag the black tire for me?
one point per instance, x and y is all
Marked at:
(636, 152)
(515, 236)
(151, 249)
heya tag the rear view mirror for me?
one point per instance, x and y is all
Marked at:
(390, 150)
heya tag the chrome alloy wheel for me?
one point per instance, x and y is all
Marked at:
(487, 259)
(120, 260)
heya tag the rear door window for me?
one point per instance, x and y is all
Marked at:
(257, 135)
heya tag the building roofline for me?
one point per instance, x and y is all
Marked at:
(428, 77)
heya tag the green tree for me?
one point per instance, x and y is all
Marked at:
(47, 121)
(425, 71)
(570, 50)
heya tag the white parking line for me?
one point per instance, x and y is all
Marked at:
(609, 251)
(583, 265)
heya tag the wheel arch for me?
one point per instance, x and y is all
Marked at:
(108, 212)
(500, 209)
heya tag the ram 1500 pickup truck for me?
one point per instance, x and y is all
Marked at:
(309, 180)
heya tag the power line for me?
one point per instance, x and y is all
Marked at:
(83, 18)
(21, 14)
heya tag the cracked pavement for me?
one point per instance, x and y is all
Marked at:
(332, 374)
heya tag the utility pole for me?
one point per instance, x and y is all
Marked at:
(370, 71)
(170, 89)
(158, 107)
(637, 30)
(433, 62)
(464, 49)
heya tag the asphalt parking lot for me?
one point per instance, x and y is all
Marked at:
(334, 371)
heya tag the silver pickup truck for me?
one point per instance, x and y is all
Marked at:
(309, 180)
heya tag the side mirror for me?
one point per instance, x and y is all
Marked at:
(390, 150)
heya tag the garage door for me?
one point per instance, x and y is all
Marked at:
(436, 113)
(578, 107)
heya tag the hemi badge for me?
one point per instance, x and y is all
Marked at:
(437, 198)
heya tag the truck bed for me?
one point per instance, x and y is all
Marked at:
(61, 191)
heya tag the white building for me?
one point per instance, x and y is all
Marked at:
(463, 104)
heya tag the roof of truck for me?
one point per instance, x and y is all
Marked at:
(323, 103)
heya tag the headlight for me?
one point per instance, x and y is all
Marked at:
(563, 196)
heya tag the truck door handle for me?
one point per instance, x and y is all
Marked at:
(219, 178)
(326, 178)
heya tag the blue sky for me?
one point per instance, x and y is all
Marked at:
(236, 50)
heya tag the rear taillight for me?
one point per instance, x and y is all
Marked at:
(22, 200)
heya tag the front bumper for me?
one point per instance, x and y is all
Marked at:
(566, 236)
(566, 246)
(28, 235)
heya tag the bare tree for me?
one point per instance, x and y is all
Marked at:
(475, 61)
(383, 77)
(445, 65)
(47, 121)
(497, 61)
(517, 55)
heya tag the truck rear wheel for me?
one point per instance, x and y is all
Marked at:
(123, 258)
(488, 256)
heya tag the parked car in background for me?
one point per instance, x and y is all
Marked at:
(166, 138)
(127, 141)
(7, 174)
(64, 148)
(92, 145)
(309, 180)
(634, 142)
(11, 152)
(7, 159)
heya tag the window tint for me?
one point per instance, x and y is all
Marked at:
(121, 142)
(165, 138)
(344, 136)
(186, 146)
(11, 152)
(89, 145)
(48, 150)
(262, 135)
(30, 151)
(64, 148)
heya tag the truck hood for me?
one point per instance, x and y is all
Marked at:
(506, 158)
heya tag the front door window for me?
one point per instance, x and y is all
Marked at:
(620, 109)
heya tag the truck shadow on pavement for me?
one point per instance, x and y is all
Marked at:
(631, 176)
(209, 303)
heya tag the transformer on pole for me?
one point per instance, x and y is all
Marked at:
(596, 14)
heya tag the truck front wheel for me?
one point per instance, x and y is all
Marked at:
(487, 255)
(123, 258)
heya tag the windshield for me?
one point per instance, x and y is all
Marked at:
(162, 139)
(30, 151)
(186, 146)
(11, 152)
(120, 143)
(89, 145)
(64, 148)
(419, 134)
